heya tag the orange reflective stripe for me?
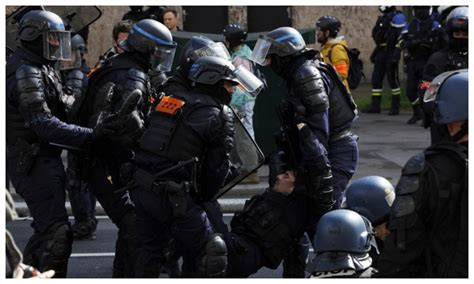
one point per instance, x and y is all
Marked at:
(169, 105)
(342, 69)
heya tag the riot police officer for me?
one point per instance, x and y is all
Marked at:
(454, 57)
(183, 159)
(74, 74)
(429, 217)
(372, 197)
(317, 104)
(149, 45)
(385, 57)
(35, 115)
(421, 38)
(342, 244)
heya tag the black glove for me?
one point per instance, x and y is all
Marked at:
(319, 189)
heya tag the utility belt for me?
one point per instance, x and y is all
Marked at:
(175, 192)
(343, 134)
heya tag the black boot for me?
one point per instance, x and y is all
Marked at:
(375, 106)
(417, 114)
(395, 107)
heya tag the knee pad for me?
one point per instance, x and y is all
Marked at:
(59, 242)
(214, 261)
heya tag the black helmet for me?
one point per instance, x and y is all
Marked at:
(284, 41)
(342, 241)
(371, 197)
(449, 91)
(422, 12)
(235, 32)
(152, 38)
(386, 9)
(210, 70)
(329, 23)
(45, 26)
(457, 20)
(199, 46)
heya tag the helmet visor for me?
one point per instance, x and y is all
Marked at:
(216, 49)
(57, 45)
(432, 91)
(74, 63)
(248, 81)
(260, 51)
(162, 58)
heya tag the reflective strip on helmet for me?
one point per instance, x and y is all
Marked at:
(150, 36)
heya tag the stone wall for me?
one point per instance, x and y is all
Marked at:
(357, 22)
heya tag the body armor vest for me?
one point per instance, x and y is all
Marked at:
(342, 108)
(168, 135)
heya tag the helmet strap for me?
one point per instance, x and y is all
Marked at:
(461, 133)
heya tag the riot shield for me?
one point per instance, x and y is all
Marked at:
(246, 155)
(75, 18)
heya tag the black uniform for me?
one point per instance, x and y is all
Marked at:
(203, 128)
(82, 200)
(428, 221)
(35, 116)
(420, 38)
(128, 74)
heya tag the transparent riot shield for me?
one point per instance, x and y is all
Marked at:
(246, 155)
(75, 18)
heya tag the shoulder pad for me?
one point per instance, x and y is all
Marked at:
(227, 114)
(398, 20)
(29, 79)
(407, 185)
(27, 71)
(306, 71)
(415, 165)
(75, 74)
(136, 79)
(309, 86)
(402, 206)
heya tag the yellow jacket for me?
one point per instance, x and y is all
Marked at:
(339, 58)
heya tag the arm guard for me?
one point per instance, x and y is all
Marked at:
(31, 98)
(33, 107)
(217, 168)
(76, 84)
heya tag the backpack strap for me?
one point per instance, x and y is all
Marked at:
(331, 48)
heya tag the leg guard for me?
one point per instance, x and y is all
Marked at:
(214, 261)
(57, 249)
(126, 248)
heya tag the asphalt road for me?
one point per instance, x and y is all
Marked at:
(94, 258)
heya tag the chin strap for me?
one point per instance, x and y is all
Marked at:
(461, 133)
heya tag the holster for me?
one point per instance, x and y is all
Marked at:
(176, 192)
(26, 155)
